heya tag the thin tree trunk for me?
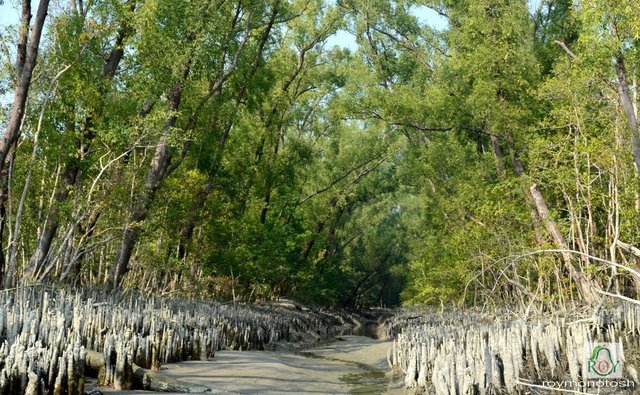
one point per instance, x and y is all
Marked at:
(186, 233)
(72, 169)
(585, 286)
(320, 227)
(270, 181)
(627, 103)
(312, 241)
(267, 126)
(25, 190)
(498, 155)
(350, 300)
(5, 276)
(623, 91)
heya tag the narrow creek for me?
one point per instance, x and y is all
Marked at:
(351, 364)
(359, 347)
(371, 379)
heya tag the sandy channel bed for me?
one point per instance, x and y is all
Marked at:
(350, 365)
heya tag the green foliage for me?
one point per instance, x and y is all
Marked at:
(396, 171)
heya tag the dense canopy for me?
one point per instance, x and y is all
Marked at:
(231, 148)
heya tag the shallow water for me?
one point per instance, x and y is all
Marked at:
(368, 380)
(364, 353)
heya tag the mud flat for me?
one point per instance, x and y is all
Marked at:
(349, 365)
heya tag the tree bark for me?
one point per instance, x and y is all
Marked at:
(26, 59)
(157, 172)
(627, 105)
(23, 38)
(12, 132)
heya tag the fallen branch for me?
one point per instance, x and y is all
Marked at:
(626, 299)
(628, 248)
(154, 381)
(594, 258)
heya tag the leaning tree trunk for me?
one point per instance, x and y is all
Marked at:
(186, 233)
(627, 105)
(161, 165)
(585, 286)
(27, 56)
(157, 172)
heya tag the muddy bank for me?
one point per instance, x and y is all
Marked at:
(349, 365)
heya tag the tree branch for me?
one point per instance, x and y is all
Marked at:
(566, 49)
(563, 251)
(337, 180)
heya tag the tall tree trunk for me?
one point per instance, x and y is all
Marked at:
(626, 101)
(627, 105)
(27, 55)
(4, 195)
(12, 132)
(158, 171)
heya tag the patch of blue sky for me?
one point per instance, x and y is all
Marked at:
(425, 15)
(342, 38)
(428, 16)
(9, 14)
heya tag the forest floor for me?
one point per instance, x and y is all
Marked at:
(348, 365)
